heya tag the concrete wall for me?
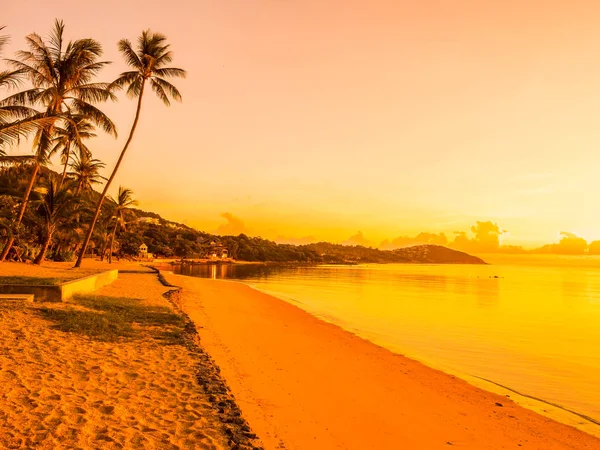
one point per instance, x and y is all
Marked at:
(63, 291)
(41, 293)
(88, 284)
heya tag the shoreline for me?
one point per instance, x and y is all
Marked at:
(485, 416)
(540, 406)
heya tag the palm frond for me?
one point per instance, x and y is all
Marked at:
(125, 79)
(10, 79)
(170, 72)
(131, 58)
(135, 89)
(168, 88)
(28, 97)
(160, 92)
(56, 40)
(13, 131)
(93, 93)
(4, 39)
(94, 115)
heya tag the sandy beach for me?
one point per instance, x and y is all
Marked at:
(305, 384)
(145, 387)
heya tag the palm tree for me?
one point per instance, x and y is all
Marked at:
(62, 80)
(16, 121)
(85, 172)
(55, 207)
(70, 137)
(123, 202)
(148, 62)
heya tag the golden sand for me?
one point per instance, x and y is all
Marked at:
(63, 390)
(306, 384)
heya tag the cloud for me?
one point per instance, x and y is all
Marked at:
(486, 238)
(569, 244)
(357, 239)
(233, 227)
(419, 239)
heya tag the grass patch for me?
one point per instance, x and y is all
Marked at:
(109, 319)
(31, 281)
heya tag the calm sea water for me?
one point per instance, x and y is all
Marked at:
(529, 323)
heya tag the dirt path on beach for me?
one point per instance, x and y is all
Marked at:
(304, 384)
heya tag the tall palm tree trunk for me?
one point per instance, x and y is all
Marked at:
(112, 241)
(104, 248)
(112, 176)
(11, 240)
(42, 254)
(64, 174)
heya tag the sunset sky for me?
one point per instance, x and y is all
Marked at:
(322, 118)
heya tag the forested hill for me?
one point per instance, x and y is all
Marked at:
(173, 239)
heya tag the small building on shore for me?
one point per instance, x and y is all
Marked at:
(143, 252)
(213, 250)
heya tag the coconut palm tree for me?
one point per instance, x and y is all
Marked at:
(123, 203)
(70, 137)
(16, 121)
(55, 207)
(148, 61)
(62, 84)
(85, 172)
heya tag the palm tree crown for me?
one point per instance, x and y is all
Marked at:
(62, 81)
(70, 137)
(148, 62)
(85, 172)
(123, 202)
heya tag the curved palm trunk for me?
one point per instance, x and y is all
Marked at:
(64, 174)
(112, 176)
(42, 254)
(104, 248)
(112, 241)
(11, 240)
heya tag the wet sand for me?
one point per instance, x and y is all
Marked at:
(305, 384)
(149, 389)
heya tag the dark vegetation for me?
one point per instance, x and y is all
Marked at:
(109, 319)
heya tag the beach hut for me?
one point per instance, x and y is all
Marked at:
(143, 251)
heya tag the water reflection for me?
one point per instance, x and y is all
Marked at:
(233, 271)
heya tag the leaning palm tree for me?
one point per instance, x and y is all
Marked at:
(62, 85)
(85, 171)
(55, 207)
(123, 203)
(148, 62)
(70, 137)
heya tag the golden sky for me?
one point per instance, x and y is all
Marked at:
(322, 118)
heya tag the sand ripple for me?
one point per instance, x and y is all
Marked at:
(62, 390)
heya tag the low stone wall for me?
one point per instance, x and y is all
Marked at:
(88, 284)
(63, 291)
